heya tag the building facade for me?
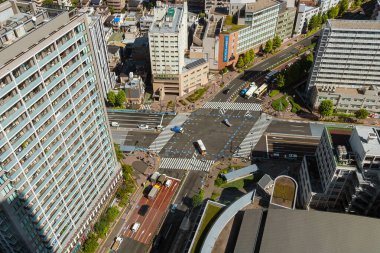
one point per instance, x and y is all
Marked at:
(304, 15)
(334, 180)
(348, 61)
(260, 19)
(116, 5)
(285, 22)
(97, 33)
(57, 164)
(172, 73)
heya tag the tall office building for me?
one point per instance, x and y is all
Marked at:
(57, 164)
(172, 73)
(347, 65)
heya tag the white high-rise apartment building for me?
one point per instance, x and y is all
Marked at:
(347, 65)
(57, 164)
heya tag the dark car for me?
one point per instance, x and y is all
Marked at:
(226, 91)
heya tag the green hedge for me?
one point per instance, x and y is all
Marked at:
(280, 104)
(197, 94)
(274, 93)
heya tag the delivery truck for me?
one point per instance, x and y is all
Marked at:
(153, 192)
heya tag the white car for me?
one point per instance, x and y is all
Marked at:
(143, 126)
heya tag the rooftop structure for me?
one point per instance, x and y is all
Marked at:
(284, 192)
(167, 19)
(240, 173)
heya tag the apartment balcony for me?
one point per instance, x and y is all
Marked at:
(27, 152)
(47, 58)
(69, 69)
(6, 87)
(17, 129)
(81, 97)
(69, 56)
(26, 73)
(72, 80)
(54, 95)
(57, 79)
(8, 102)
(32, 97)
(60, 154)
(64, 100)
(68, 43)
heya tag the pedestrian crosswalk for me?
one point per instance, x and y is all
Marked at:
(233, 106)
(145, 107)
(253, 137)
(186, 164)
(166, 134)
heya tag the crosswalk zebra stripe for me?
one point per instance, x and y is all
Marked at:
(186, 164)
(233, 106)
(253, 137)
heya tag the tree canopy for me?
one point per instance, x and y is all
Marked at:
(361, 113)
(276, 42)
(280, 80)
(111, 98)
(326, 108)
(120, 98)
(268, 47)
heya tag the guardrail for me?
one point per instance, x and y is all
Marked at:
(141, 111)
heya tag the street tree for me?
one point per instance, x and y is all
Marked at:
(247, 58)
(313, 23)
(324, 18)
(251, 54)
(280, 81)
(268, 47)
(343, 6)
(326, 108)
(240, 62)
(120, 98)
(333, 12)
(91, 244)
(276, 42)
(361, 113)
(111, 98)
(198, 198)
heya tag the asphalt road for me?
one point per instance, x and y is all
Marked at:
(132, 120)
(257, 72)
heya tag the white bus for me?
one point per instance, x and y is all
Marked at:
(261, 90)
(201, 147)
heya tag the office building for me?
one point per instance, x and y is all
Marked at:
(285, 21)
(172, 73)
(304, 14)
(260, 20)
(57, 164)
(344, 175)
(347, 66)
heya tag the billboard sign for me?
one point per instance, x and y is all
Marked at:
(225, 48)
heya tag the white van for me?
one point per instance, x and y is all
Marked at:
(168, 183)
(115, 124)
(135, 227)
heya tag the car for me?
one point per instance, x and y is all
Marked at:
(115, 124)
(173, 207)
(177, 129)
(243, 91)
(226, 91)
(135, 227)
(143, 126)
(160, 127)
(227, 123)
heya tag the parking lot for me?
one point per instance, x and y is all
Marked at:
(207, 125)
(149, 213)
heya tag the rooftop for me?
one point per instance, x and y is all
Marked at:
(236, 174)
(370, 139)
(284, 192)
(167, 19)
(289, 231)
(354, 24)
(260, 5)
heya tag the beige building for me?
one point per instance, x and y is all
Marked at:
(116, 5)
(172, 73)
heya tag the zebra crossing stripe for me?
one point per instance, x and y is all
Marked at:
(233, 106)
(186, 164)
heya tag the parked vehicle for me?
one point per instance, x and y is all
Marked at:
(177, 129)
(154, 191)
(250, 91)
(227, 123)
(154, 177)
(243, 91)
(135, 227)
(116, 244)
(143, 126)
(226, 91)
(160, 127)
(291, 156)
(115, 124)
(261, 90)
(168, 183)
(161, 179)
(270, 75)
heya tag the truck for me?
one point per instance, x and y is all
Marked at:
(161, 180)
(115, 124)
(154, 191)
(116, 243)
(154, 176)
(177, 129)
(250, 91)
